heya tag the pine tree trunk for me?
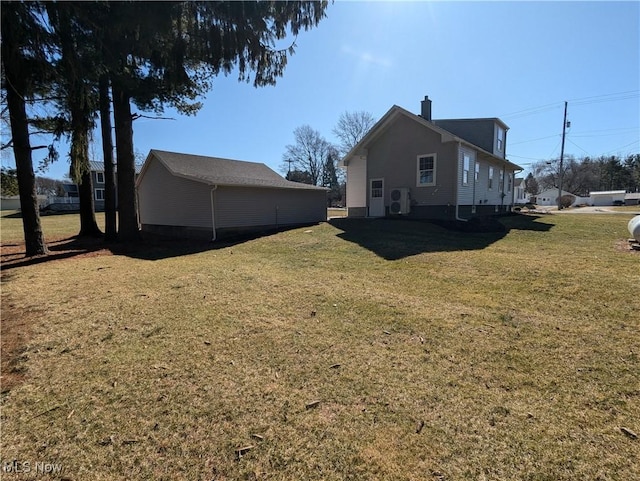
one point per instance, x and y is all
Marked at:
(127, 203)
(81, 173)
(33, 236)
(110, 217)
(88, 225)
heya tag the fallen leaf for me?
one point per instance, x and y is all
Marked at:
(629, 433)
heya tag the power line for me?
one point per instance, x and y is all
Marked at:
(612, 97)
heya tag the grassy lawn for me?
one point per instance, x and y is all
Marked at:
(362, 350)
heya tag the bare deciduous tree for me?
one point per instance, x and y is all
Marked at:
(308, 153)
(351, 128)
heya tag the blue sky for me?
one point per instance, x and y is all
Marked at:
(515, 60)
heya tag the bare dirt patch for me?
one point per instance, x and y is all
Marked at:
(15, 332)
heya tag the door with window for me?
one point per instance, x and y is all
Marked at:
(376, 198)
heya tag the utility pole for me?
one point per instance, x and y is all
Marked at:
(561, 173)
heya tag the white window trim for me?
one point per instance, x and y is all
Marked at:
(501, 181)
(96, 194)
(435, 165)
(476, 174)
(500, 139)
(466, 168)
(98, 175)
(490, 178)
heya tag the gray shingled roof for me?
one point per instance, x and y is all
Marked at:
(217, 171)
(99, 167)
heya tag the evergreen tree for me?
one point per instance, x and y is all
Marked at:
(24, 65)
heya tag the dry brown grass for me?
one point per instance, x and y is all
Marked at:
(433, 355)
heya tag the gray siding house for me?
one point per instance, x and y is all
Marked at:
(414, 166)
(205, 197)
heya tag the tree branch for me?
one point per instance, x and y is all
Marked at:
(138, 116)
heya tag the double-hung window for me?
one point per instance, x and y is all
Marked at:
(426, 170)
(100, 177)
(490, 183)
(99, 194)
(501, 186)
(499, 139)
(477, 174)
(466, 163)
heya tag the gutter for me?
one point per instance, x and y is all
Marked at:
(213, 217)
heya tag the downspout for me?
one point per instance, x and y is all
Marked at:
(213, 216)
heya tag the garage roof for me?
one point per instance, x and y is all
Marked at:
(218, 171)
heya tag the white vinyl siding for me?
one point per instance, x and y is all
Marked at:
(357, 182)
(466, 165)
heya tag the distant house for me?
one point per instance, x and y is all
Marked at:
(549, 197)
(98, 181)
(520, 196)
(415, 166)
(187, 195)
(607, 197)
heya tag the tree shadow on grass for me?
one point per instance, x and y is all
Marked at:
(397, 238)
(151, 247)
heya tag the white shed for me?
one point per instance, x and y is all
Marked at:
(187, 195)
(607, 197)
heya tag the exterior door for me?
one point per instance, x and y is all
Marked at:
(376, 198)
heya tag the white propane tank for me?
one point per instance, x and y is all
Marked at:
(634, 227)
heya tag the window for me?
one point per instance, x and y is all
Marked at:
(499, 139)
(426, 170)
(501, 186)
(376, 188)
(509, 182)
(477, 174)
(100, 177)
(466, 161)
(99, 194)
(490, 184)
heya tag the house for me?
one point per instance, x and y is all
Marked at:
(520, 196)
(415, 166)
(187, 195)
(607, 197)
(98, 182)
(549, 197)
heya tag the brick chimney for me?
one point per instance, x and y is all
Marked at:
(425, 108)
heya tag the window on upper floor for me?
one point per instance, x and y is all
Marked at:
(426, 170)
(100, 177)
(466, 164)
(490, 183)
(499, 139)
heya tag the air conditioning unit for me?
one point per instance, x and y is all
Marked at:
(400, 201)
